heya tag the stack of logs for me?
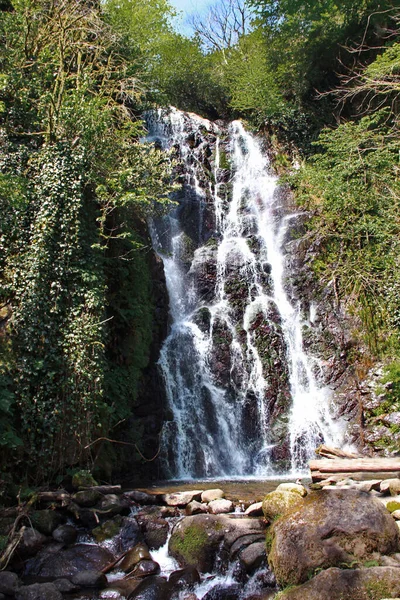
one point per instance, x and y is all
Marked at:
(337, 464)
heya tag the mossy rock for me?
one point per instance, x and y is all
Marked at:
(393, 505)
(107, 530)
(374, 583)
(279, 502)
(87, 497)
(45, 521)
(83, 479)
(330, 529)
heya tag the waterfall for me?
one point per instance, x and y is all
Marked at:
(244, 397)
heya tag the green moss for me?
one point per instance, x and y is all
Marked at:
(82, 479)
(188, 545)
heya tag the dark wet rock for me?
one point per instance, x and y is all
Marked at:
(155, 530)
(245, 540)
(65, 534)
(141, 497)
(86, 516)
(38, 591)
(224, 592)
(67, 562)
(90, 579)
(45, 521)
(87, 498)
(198, 540)
(253, 556)
(145, 568)
(196, 508)
(134, 556)
(130, 534)
(31, 542)
(187, 577)
(151, 588)
(111, 504)
(373, 583)
(9, 583)
(330, 528)
(65, 586)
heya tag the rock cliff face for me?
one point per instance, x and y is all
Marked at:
(255, 348)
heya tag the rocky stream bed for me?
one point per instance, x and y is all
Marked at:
(332, 541)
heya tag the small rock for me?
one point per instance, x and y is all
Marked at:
(65, 534)
(388, 561)
(368, 486)
(396, 515)
(155, 530)
(114, 505)
(390, 485)
(90, 579)
(254, 510)
(224, 592)
(134, 556)
(86, 498)
(186, 577)
(296, 488)
(9, 583)
(38, 591)
(196, 508)
(145, 568)
(129, 535)
(392, 503)
(182, 498)
(220, 506)
(210, 495)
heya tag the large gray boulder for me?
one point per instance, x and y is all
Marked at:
(58, 563)
(374, 583)
(330, 528)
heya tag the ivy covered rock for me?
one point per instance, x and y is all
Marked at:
(279, 502)
(374, 583)
(330, 528)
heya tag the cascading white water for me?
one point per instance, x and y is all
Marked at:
(242, 391)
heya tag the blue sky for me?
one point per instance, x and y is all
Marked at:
(187, 7)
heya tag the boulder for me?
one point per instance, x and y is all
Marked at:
(296, 488)
(45, 521)
(330, 528)
(90, 579)
(155, 530)
(31, 542)
(210, 495)
(253, 556)
(9, 583)
(65, 534)
(134, 556)
(220, 506)
(111, 504)
(182, 498)
(374, 583)
(198, 539)
(129, 535)
(279, 502)
(38, 591)
(65, 562)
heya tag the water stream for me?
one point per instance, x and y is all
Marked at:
(245, 398)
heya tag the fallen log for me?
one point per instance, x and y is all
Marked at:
(329, 452)
(359, 468)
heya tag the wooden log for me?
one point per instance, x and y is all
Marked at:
(57, 496)
(356, 468)
(105, 489)
(329, 452)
